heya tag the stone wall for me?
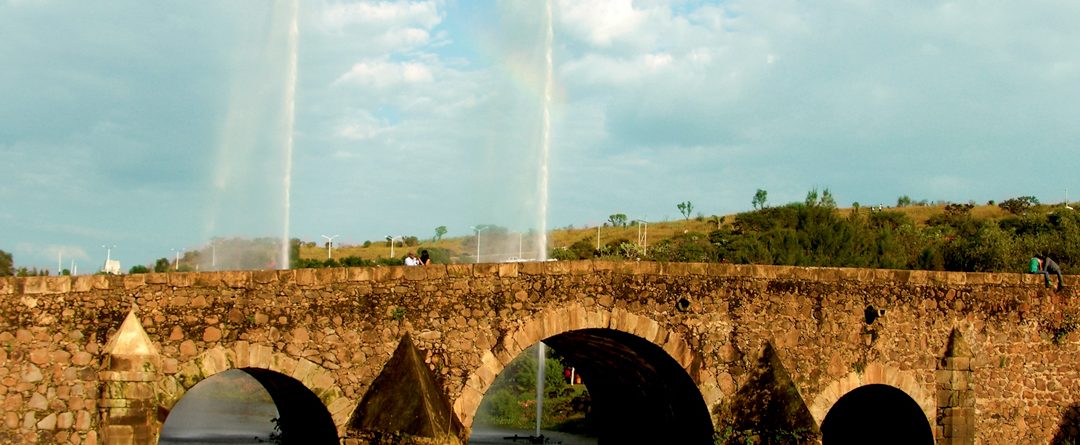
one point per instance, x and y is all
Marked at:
(334, 329)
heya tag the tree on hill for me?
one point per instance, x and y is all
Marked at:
(161, 265)
(617, 220)
(439, 232)
(827, 200)
(1020, 205)
(7, 264)
(759, 199)
(686, 208)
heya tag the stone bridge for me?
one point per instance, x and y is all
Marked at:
(673, 353)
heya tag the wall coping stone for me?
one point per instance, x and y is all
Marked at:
(318, 277)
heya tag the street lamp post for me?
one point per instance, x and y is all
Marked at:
(176, 265)
(391, 239)
(330, 245)
(478, 229)
(108, 254)
(643, 241)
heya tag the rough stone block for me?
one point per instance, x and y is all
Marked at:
(240, 279)
(646, 328)
(213, 361)
(956, 278)
(259, 356)
(36, 285)
(265, 276)
(602, 266)
(675, 269)
(435, 271)
(917, 277)
(181, 279)
(7, 286)
(283, 364)
(340, 409)
(678, 350)
(118, 435)
(305, 277)
(947, 398)
(322, 382)
(358, 274)
(558, 267)
(459, 270)
(530, 333)
(874, 373)
(581, 267)
(157, 278)
(532, 268)
(466, 404)
(719, 270)
(485, 269)
(414, 273)
(209, 279)
(134, 281)
(330, 275)
(304, 371)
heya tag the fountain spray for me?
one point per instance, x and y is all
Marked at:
(545, 142)
(290, 122)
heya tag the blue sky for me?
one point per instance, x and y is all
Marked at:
(154, 126)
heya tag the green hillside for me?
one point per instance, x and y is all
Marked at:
(957, 237)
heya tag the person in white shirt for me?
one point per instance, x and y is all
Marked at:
(412, 260)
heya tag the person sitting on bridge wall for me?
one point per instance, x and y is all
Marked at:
(1048, 267)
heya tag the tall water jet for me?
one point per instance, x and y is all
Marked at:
(541, 363)
(290, 122)
(545, 139)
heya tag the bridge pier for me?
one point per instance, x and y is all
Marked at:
(956, 394)
(128, 398)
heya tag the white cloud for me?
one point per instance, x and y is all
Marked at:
(601, 23)
(363, 126)
(386, 74)
(388, 14)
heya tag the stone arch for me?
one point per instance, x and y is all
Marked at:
(320, 381)
(879, 374)
(575, 317)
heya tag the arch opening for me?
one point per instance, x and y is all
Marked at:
(637, 393)
(249, 405)
(876, 413)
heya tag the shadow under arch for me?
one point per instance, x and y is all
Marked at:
(301, 417)
(879, 414)
(304, 377)
(1069, 429)
(640, 394)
